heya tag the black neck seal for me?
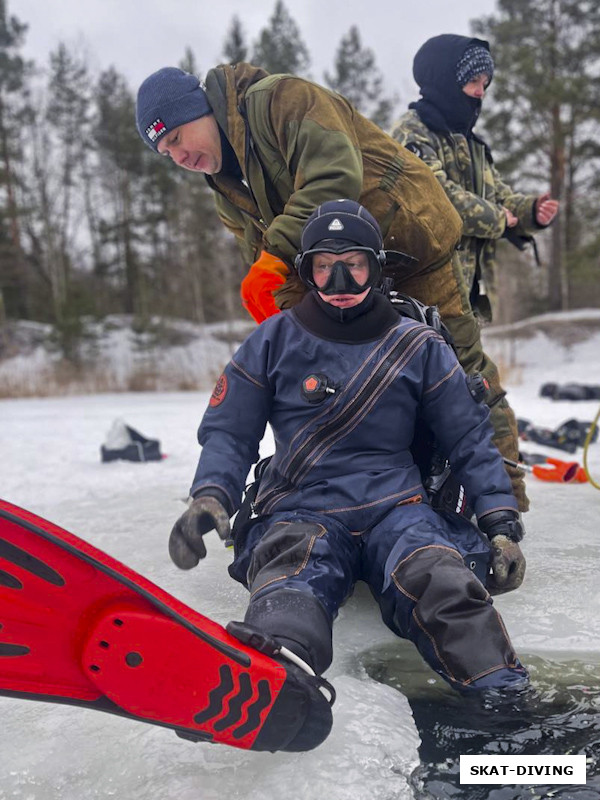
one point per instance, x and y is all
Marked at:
(365, 322)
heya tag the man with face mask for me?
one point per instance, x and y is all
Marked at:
(453, 73)
(341, 379)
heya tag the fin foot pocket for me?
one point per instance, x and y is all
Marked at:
(301, 717)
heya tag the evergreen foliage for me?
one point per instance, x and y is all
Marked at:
(14, 108)
(121, 162)
(279, 48)
(358, 79)
(234, 48)
(188, 63)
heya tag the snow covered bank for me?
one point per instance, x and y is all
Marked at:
(170, 355)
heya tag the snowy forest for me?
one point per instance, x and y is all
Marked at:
(92, 223)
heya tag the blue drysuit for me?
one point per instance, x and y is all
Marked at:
(342, 498)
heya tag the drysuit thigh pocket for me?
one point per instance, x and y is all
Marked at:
(284, 551)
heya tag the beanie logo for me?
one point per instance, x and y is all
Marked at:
(156, 130)
(336, 225)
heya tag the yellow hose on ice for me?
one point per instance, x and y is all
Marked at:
(586, 446)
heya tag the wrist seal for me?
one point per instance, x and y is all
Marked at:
(502, 523)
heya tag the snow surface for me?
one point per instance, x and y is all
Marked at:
(50, 464)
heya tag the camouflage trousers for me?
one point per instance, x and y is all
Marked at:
(446, 288)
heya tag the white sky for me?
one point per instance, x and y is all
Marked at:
(140, 37)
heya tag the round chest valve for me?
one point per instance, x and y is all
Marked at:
(316, 387)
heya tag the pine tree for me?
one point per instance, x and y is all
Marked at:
(279, 48)
(359, 80)
(121, 168)
(14, 108)
(67, 117)
(234, 47)
(543, 115)
(188, 63)
(58, 146)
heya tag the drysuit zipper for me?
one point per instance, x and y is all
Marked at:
(306, 453)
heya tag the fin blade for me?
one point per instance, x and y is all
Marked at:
(79, 627)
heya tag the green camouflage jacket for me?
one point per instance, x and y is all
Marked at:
(298, 145)
(477, 192)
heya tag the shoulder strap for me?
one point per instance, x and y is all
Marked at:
(246, 508)
(410, 307)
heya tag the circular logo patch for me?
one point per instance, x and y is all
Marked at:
(219, 392)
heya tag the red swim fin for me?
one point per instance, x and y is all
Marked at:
(79, 627)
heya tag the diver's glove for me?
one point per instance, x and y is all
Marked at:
(504, 531)
(265, 276)
(186, 545)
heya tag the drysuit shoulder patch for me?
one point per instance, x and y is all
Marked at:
(219, 392)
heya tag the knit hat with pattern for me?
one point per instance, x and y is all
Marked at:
(166, 99)
(475, 61)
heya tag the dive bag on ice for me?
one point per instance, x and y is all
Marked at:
(568, 436)
(570, 391)
(124, 443)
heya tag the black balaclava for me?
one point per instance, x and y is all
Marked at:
(443, 105)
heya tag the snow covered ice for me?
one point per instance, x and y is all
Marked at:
(51, 465)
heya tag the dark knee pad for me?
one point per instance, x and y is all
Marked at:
(282, 552)
(455, 625)
(298, 621)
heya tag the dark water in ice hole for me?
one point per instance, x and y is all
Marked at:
(558, 715)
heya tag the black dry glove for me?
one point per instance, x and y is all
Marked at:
(186, 546)
(504, 531)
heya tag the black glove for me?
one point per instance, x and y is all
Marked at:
(508, 563)
(186, 546)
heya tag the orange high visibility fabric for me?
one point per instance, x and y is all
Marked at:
(266, 275)
(560, 471)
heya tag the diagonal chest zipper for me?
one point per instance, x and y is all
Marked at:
(309, 453)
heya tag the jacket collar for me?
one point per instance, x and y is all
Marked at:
(226, 88)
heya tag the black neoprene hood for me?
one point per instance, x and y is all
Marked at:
(341, 221)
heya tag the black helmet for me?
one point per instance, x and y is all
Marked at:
(339, 226)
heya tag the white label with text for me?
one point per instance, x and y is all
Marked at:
(531, 769)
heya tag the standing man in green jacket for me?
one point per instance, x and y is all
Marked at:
(273, 148)
(453, 73)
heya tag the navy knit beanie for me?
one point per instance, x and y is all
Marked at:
(475, 61)
(167, 99)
